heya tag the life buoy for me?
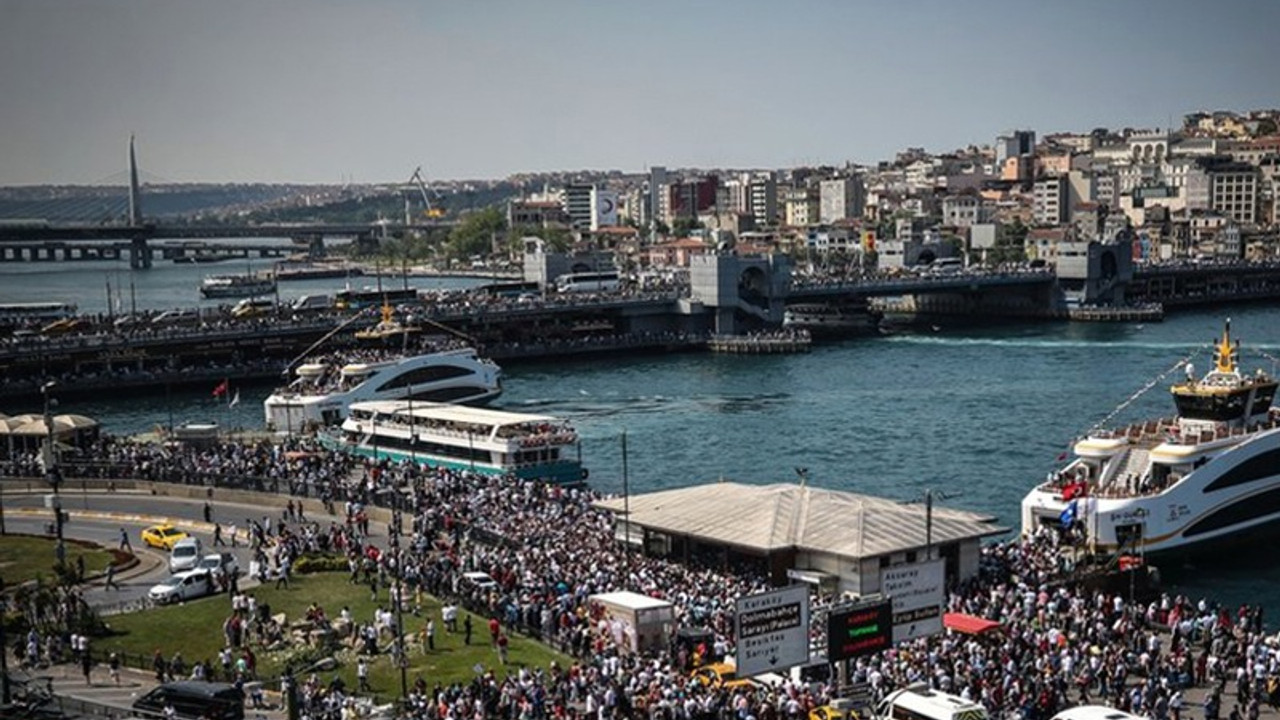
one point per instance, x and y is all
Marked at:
(585, 473)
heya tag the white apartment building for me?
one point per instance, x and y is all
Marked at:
(841, 199)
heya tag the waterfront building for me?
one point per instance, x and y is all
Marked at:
(962, 210)
(802, 206)
(841, 540)
(535, 213)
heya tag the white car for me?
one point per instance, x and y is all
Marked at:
(478, 580)
(220, 564)
(185, 554)
(182, 587)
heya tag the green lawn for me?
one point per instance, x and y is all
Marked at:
(23, 557)
(196, 630)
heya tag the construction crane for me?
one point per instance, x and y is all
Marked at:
(428, 210)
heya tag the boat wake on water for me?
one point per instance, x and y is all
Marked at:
(1041, 344)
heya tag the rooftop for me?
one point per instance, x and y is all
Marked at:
(785, 515)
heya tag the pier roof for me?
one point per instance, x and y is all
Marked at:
(783, 516)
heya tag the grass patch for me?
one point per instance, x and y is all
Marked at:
(24, 557)
(196, 629)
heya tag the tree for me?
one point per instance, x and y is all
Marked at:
(475, 234)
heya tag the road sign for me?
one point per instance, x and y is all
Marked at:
(859, 629)
(918, 595)
(772, 630)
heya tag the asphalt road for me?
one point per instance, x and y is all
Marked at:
(99, 518)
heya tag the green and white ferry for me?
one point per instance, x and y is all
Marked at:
(462, 438)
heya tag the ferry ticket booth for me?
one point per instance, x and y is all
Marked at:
(839, 542)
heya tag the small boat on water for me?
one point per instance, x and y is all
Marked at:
(315, 271)
(824, 320)
(1209, 474)
(237, 286)
(462, 438)
(321, 393)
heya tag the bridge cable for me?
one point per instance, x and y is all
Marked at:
(341, 326)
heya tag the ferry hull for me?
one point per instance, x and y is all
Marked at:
(565, 472)
(1209, 508)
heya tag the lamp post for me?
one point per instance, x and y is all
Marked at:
(401, 659)
(52, 474)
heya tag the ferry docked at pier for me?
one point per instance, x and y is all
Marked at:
(321, 393)
(1209, 473)
(462, 438)
(825, 320)
(237, 286)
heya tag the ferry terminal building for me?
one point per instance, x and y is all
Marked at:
(841, 541)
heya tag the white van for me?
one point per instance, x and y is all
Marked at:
(1094, 712)
(312, 302)
(921, 703)
(185, 554)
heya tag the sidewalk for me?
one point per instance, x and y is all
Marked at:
(69, 682)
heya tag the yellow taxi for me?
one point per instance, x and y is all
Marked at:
(829, 712)
(718, 675)
(162, 536)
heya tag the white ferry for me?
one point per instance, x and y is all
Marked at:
(464, 438)
(1210, 472)
(320, 394)
(828, 320)
(237, 286)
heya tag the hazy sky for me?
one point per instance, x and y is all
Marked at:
(322, 90)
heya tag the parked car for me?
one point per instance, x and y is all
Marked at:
(183, 586)
(162, 536)
(478, 581)
(191, 698)
(220, 564)
(185, 554)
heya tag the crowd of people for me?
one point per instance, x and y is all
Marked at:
(549, 549)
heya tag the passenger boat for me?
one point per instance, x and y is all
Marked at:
(828, 320)
(322, 392)
(237, 286)
(462, 438)
(1209, 473)
(316, 271)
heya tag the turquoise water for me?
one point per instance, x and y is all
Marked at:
(978, 414)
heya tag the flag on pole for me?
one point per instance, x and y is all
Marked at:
(235, 399)
(221, 389)
(1068, 516)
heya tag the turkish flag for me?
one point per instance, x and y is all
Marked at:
(221, 389)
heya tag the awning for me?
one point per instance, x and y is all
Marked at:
(969, 624)
(812, 577)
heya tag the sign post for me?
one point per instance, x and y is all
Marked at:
(918, 595)
(859, 629)
(772, 630)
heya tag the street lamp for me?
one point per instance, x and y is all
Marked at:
(401, 659)
(52, 474)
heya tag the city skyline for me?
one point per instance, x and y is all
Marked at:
(322, 92)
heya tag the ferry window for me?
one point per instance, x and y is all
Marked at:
(424, 375)
(1250, 508)
(1259, 466)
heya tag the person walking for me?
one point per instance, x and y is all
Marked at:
(217, 535)
(110, 583)
(466, 629)
(362, 675)
(431, 634)
(124, 540)
(113, 665)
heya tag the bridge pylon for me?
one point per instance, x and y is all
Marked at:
(135, 190)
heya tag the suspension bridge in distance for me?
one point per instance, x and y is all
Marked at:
(136, 238)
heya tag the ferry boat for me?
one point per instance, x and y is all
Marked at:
(826, 320)
(321, 393)
(237, 286)
(1209, 473)
(462, 438)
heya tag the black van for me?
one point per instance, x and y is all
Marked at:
(191, 698)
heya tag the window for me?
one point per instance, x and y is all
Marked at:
(1250, 508)
(424, 375)
(1260, 466)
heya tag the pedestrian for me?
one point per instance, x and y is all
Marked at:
(208, 512)
(217, 535)
(113, 664)
(466, 629)
(86, 662)
(124, 540)
(362, 675)
(431, 634)
(111, 578)
(158, 664)
(495, 629)
(232, 532)
(502, 648)
(80, 568)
